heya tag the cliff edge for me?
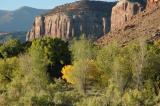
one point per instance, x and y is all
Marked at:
(91, 18)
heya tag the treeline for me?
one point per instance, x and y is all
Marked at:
(52, 72)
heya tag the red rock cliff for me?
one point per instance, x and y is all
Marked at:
(151, 3)
(124, 11)
(91, 18)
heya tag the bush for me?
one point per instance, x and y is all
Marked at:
(8, 70)
(10, 48)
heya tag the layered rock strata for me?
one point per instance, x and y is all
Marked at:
(91, 18)
(124, 11)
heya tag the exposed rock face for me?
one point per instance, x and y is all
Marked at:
(151, 3)
(91, 18)
(144, 25)
(124, 11)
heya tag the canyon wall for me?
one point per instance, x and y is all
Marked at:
(151, 3)
(91, 18)
(124, 11)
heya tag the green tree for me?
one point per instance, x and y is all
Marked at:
(152, 69)
(54, 53)
(83, 52)
(29, 84)
(8, 70)
(105, 60)
(10, 48)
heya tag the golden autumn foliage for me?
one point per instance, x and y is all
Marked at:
(70, 74)
(67, 73)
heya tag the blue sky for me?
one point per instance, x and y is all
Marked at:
(43, 4)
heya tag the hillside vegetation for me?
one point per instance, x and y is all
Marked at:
(52, 72)
(120, 69)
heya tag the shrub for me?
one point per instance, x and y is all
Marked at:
(10, 48)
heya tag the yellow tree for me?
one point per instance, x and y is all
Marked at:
(67, 74)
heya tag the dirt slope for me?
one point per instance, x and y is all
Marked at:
(146, 24)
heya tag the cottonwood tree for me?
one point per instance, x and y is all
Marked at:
(83, 52)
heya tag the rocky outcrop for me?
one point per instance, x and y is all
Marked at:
(91, 18)
(151, 3)
(144, 25)
(124, 11)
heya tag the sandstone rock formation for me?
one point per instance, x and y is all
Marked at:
(144, 25)
(151, 3)
(124, 11)
(91, 18)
